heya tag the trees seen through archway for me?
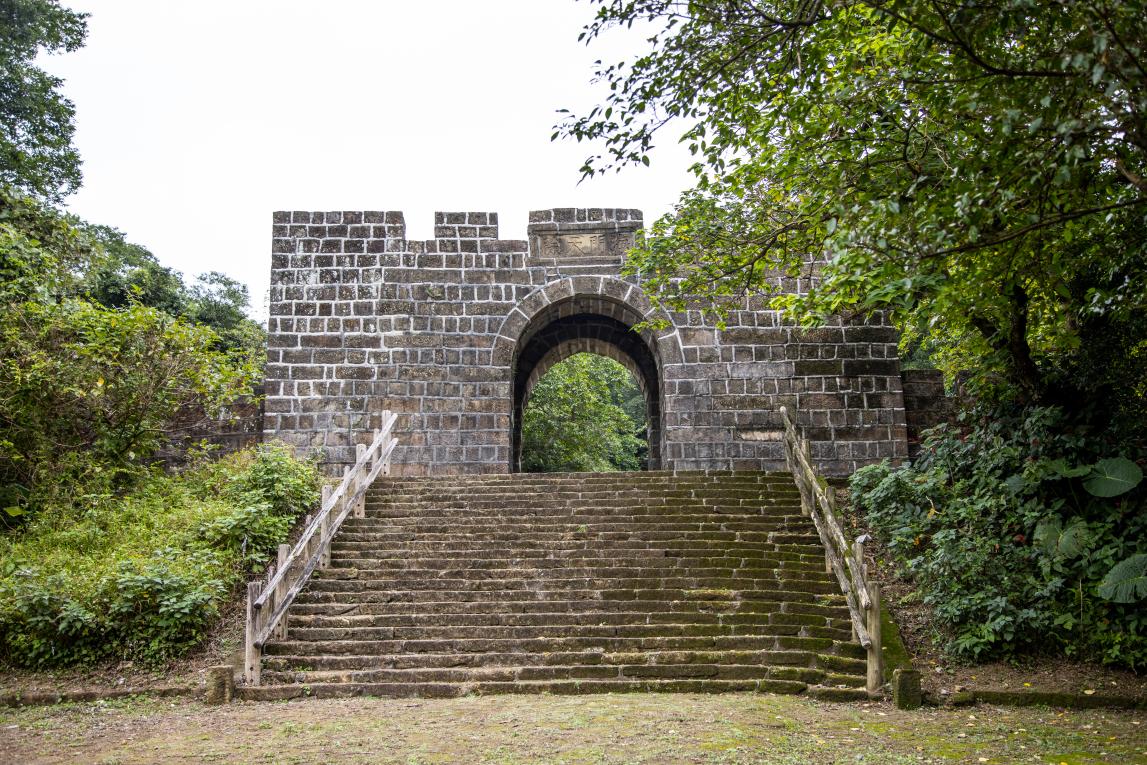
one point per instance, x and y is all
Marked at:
(585, 414)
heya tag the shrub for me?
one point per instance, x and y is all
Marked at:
(142, 576)
(85, 393)
(1022, 531)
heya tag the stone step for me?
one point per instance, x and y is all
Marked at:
(538, 579)
(510, 673)
(829, 663)
(563, 687)
(469, 547)
(588, 525)
(357, 564)
(563, 517)
(797, 659)
(499, 632)
(571, 583)
(511, 608)
(773, 538)
(561, 620)
(603, 643)
(615, 505)
(365, 557)
(333, 591)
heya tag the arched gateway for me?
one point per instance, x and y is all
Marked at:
(452, 333)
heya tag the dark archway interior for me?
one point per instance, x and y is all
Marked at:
(566, 335)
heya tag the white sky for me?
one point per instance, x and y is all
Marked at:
(196, 120)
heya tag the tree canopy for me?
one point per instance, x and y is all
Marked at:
(980, 170)
(585, 414)
(36, 121)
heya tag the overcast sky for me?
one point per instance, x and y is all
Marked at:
(195, 121)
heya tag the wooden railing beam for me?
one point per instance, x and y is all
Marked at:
(267, 604)
(841, 558)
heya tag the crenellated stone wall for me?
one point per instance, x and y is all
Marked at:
(451, 334)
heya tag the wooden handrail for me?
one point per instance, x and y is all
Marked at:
(843, 559)
(267, 602)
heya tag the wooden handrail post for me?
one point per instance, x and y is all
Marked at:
(360, 506)
(281, 590)
(252, 656)
(324, 541)
(858, 556)
(875, 648)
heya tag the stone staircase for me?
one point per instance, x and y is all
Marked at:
(571, 583)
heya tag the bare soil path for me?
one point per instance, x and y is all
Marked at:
(638, 728)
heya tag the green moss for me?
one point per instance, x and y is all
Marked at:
(895, 654)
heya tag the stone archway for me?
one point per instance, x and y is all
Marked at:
(362, 320)
(581, 315)
(587, 333)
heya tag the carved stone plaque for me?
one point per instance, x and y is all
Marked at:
(583, 246)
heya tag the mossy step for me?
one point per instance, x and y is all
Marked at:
(796, 660)
(548, 644)
(474, 525)
(588, 608)
(364, 556)
(509, 674)
(558, 620)
(387, 538)
(567, 687)
(312, 594)
(609, 586)
(482, 632)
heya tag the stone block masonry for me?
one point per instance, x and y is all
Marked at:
(452, 333)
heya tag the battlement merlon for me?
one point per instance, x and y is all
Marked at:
(572, 235)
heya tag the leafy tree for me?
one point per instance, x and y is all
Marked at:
(87, 389)
(131, 274)
(1020, 534)
(980, 170)
(36, 121)
(585, 414)
(86, 392)
(43, 254)
(220, 302)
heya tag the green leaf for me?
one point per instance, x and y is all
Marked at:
(1112, 477)
(1126, 582)
(1059, 542)
(1061, 468)
(14, 511)
(1015, 483)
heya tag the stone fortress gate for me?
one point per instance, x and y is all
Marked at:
(452, 333)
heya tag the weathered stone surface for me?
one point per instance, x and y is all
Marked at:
(906, 693)
(570, 583)
(220, 684)
(452, 333)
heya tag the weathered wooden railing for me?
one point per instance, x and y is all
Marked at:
(840, 558)
(267, 603)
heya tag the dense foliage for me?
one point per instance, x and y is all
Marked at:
(86, 390)
(143, 575)
(979, 169)
(585, 414)
(1024, 532)
(36, 121)
(128, 274)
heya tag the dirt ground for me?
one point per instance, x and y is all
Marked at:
(637, 728)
